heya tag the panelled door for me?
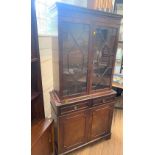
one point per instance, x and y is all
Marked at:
(101, 119)
(72, 130)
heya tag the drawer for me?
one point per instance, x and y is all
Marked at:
(74, 107)
(103, 100)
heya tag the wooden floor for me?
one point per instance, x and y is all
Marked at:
(114, 146)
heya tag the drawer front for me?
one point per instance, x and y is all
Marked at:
(74, 107)
(103, 100)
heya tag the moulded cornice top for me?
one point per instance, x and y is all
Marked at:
(69, 7)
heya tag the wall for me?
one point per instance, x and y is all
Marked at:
(45, 47)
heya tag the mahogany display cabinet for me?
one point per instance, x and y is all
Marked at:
(84, 49)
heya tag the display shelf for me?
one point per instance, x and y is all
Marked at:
(34, 59)
(34, 95)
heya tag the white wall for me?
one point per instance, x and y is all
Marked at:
(45, 47)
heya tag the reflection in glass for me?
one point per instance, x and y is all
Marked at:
(75, 58)
(119, 59)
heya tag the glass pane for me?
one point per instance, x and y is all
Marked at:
(119, 57)
(75, 58)
(103, 56)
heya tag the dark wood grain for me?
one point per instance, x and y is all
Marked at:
(101, 121)
(34, 95)
(41, 140)
(113, 146)
(72, 125)
(34, 59)
(38, 129)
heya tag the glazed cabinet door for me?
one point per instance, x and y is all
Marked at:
(104, 39)
(75, 40)
(101, 119)
(72, 131)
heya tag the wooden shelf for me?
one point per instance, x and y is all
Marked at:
(34, 95)
(34, 60)
(38, 127)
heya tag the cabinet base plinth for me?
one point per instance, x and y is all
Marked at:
(105, 137)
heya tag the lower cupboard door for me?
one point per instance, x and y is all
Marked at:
(101, 119)
(72, 131)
